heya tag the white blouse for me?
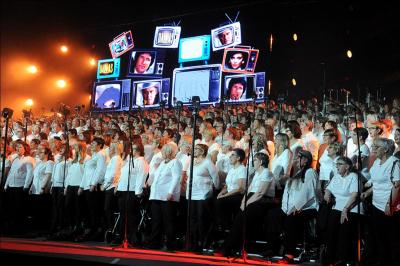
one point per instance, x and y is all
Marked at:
(281, 164)
(301, 195)
(88, 169)
(204, 179)
(113, 172)
(234, 174)
(380, 179)
(327, 166)
(58, 175)
(139, 169)
(342, 187)
(40, 180)
(167, 181)
(264, 176)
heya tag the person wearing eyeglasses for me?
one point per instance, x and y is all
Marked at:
(385, 181)
(205, 181)
(228, 200)
(259, 200)
(342, 221)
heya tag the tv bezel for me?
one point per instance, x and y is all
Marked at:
(236, 27)
(240, 71)
(117, 68)
(96, 83)
(204, 38)
(176, 36)
(225, 88)
(129, 47)
(172, 88)
(155, 62)
(135, 94)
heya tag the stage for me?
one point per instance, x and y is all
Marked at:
(46, 252)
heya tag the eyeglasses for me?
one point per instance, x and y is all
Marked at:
(340, 164)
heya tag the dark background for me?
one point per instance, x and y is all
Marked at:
(31, 31)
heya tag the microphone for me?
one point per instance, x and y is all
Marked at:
(345, 91)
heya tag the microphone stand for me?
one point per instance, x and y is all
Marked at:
(7, 114)
(179, 106)
(65, 112)
(359, 169)
(195, 113)
(244, 253)
(280, 116)
(223, 121)
(26, 116)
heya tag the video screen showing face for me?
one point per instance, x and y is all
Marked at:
(236, 60)
(108, 95)
(239, 88)
(143, 62)
(148, 93)
(223, 37)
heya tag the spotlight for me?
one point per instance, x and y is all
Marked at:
(32, 69)
(64, 49)
(92, 62)
(61, 83)
(294, 82)
(295, 37)
(29, 102)
(349, 54)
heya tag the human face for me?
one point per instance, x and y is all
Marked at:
(342, 167)
(149, 95)
(234, 158)
(236, 61)
(236, 91)
(225, 37)
(257, 163)
(397, 136)
(331, 151)
(143, 63)
(378, 149)
(20, 149)
(198, 151)
(373, 132)
(289, 133)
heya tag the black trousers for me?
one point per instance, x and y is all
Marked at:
(73, 207)
(40, 212)
(341, 238)
(128, 205)
(387, 236)
(253, 217)
(163, 217)
(109, 208)
(226, 209)
(16, 201)
(57, 199)
(92, 205)
(200, 223)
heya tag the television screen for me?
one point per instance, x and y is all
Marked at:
(108, 68)
(203, 81)
(239, 60)
(149, 93)
(121, 44)
(146, 63)
(194, 49)
(167, 37)
(226, 36)
(244, 88)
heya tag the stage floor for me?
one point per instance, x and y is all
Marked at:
(89, 253)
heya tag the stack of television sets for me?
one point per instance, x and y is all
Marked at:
(135, 77)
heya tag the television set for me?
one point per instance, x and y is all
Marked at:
(108, 68)
(203, 81)
(194, 49)
(146, 63)
(226, 36)
(167, 37)
(150, 93)
(239, 60)
(244, 87)
(109, 95)
(121, 44)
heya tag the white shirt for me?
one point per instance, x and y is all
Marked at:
(75, 173)
(281, 164)
(154, 163)
(139, 169)
(167, 181)
(264, 176)
(381, 183)
(301, 195)
(327, 166)
(234, 174)
(223, 164)
(21, 172)
(88, 169)
(98, 175)
(40, 172)
(113, 172)
(204, 179)
(341, 188)
(57, 177)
